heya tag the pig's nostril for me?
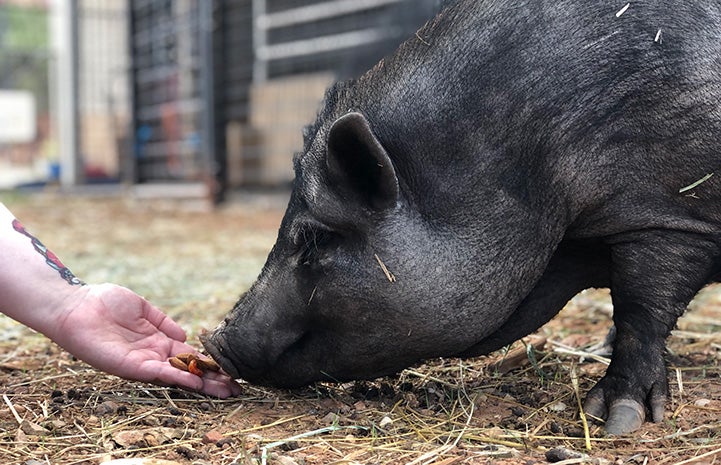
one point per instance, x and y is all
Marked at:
(216, 345)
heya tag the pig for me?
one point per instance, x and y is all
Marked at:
(510, 154)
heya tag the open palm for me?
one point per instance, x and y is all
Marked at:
(119, 332)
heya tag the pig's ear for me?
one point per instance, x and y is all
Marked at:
(359, 165)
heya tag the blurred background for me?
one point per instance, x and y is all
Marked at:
(177, 97)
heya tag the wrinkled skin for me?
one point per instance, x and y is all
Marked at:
(507, 157)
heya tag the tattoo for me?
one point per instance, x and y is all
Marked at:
(50, 258)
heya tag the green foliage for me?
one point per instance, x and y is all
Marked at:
(24, 51)
(23, 29)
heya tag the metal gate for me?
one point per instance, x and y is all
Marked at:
(25, 122)
(299, 48)
(171, 113)
(222, 88)
(103, 106)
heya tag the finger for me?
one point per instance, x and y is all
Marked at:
(216, 384)
(233, 387)
(179, 347)
(166, 375)
(221, 387)
(213, 384)
(163, 322)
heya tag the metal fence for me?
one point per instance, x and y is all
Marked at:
(103, 107)
(299, 48)
(169, 79)
(210, 91)
(30, 62)
(25, 120)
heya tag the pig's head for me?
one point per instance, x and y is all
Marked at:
(359, 284)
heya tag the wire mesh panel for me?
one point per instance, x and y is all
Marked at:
(168, 89)
(300, 47)
(103, 87)
(233, 71)
(222, 88)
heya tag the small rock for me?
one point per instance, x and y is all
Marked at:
(33, 429)
(283, 460)
(702, 402)
(151, 440)
(359, 406)
(57, 424)
(151, 420)
(558, 407)
(480, 399)
(561, 453)
(385, 421)
(174, 411)
(289, 446)
(212, 437)
(556, 428)
(147, 436)
(224, 442)
(188, 452)
(106, 408)
(129, 438)
(331, 419)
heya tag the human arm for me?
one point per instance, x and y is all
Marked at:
(107, 326)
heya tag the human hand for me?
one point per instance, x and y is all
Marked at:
(117, 331)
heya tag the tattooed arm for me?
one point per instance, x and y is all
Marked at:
(33, 291)
(108, 326)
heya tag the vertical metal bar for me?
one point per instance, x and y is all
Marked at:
(205, 30)
(220, 100)
(130, 172)
(260, 39)
(65, 40)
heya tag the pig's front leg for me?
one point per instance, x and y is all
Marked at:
(654, 277)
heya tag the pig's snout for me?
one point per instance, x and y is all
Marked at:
(262, 360)
(217, 344)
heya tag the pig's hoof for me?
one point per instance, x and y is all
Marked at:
(625, 416)
(622, 416)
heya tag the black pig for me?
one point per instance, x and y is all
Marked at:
(511, 154)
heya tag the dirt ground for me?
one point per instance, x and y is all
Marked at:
(513, 407)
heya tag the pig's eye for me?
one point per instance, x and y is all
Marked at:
(311, 243)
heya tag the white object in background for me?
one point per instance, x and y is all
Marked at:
(17, 116)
